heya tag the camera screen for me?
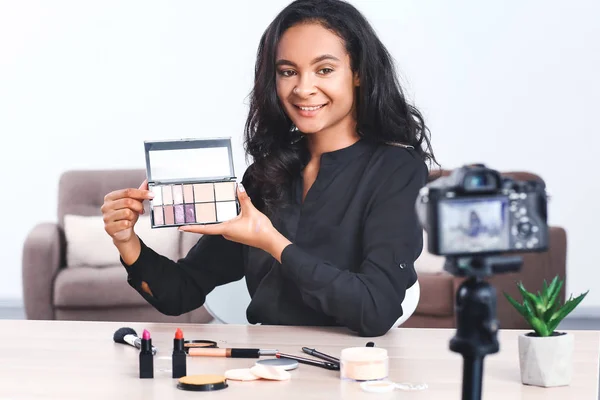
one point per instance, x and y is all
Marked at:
(473, 225)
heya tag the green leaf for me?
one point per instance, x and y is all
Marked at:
(553, 298)
(537, 324)
(554, 287)
(542, 296)
(561, 313)
(545, 293)
(536, 304)
(520, 308)
(550, 311)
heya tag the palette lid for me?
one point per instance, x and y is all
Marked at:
(183, 160)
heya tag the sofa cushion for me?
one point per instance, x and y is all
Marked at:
(88, 244)
(95, 287)
(437, 294)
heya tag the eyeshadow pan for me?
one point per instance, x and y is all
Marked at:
(169, 216)
(158, 215)
(177, 194)
(190, 216)
(204, 192)
(188, 193)
(157, 191)
(226, 211)
(225, 191)
(205, 213)
(179, 214)
(167, 194)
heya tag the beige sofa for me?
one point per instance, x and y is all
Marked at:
(54, 290)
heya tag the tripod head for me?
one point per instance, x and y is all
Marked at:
(480, 266)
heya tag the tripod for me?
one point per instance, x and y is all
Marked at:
(475, 307)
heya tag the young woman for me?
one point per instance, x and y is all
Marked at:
(327, 233)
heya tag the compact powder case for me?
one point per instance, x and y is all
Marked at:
(193, 182)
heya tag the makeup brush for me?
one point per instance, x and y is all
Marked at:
(130, 337)
(231, 353)
(308, 361)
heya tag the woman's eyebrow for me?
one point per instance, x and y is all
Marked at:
(314, 61)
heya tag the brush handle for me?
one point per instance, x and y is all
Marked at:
(220, 352)
(245, 353)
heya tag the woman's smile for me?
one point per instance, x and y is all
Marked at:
(308, 111)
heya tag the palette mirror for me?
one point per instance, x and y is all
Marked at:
(192, 180)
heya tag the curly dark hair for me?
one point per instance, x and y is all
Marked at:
(383, 114)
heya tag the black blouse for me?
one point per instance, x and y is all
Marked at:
(354, 242)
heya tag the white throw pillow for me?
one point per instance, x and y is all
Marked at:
(427, 262)
(88, 244)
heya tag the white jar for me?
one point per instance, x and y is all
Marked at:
(364, 364)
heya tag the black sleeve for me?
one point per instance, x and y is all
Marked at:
(369, 302)
(182, 286)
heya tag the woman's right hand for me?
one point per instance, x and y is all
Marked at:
(121, 210)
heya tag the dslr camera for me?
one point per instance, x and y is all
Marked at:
(475, 211)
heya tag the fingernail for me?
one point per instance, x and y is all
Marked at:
(241, 187)
(151, 195)
(143, 211)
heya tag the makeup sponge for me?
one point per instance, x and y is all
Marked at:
(270, 373)
(242, 374)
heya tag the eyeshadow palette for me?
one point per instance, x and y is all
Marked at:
(192, 181)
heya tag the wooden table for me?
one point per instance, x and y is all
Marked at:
(79, 360)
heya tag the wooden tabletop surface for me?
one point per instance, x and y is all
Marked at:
(80, 360)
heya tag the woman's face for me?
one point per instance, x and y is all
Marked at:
(315, 83)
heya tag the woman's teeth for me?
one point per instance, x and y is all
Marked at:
(310, 108)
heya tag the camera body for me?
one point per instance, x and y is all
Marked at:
(475, 211)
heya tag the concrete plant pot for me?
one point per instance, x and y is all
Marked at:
(546, 361)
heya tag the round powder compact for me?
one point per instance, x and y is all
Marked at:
(270, 373)
(364, 363)
(283, 363)
(202, 383)
(241, 374)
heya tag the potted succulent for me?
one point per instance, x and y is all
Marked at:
(545, 355)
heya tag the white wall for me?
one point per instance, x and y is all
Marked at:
(82, 84)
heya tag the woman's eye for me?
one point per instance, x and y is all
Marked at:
(326, 71)
(286, 72)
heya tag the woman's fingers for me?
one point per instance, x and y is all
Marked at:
(120, 230)
(121, 210)
(246, 205)
(132, 204)
(139, 194)
(211, 229)
(121, 214)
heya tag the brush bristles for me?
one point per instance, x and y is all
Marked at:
(120, 334)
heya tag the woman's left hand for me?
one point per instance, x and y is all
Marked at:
(250, 227)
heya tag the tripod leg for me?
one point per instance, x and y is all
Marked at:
(472, 377)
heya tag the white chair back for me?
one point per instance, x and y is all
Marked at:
(228, 303)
